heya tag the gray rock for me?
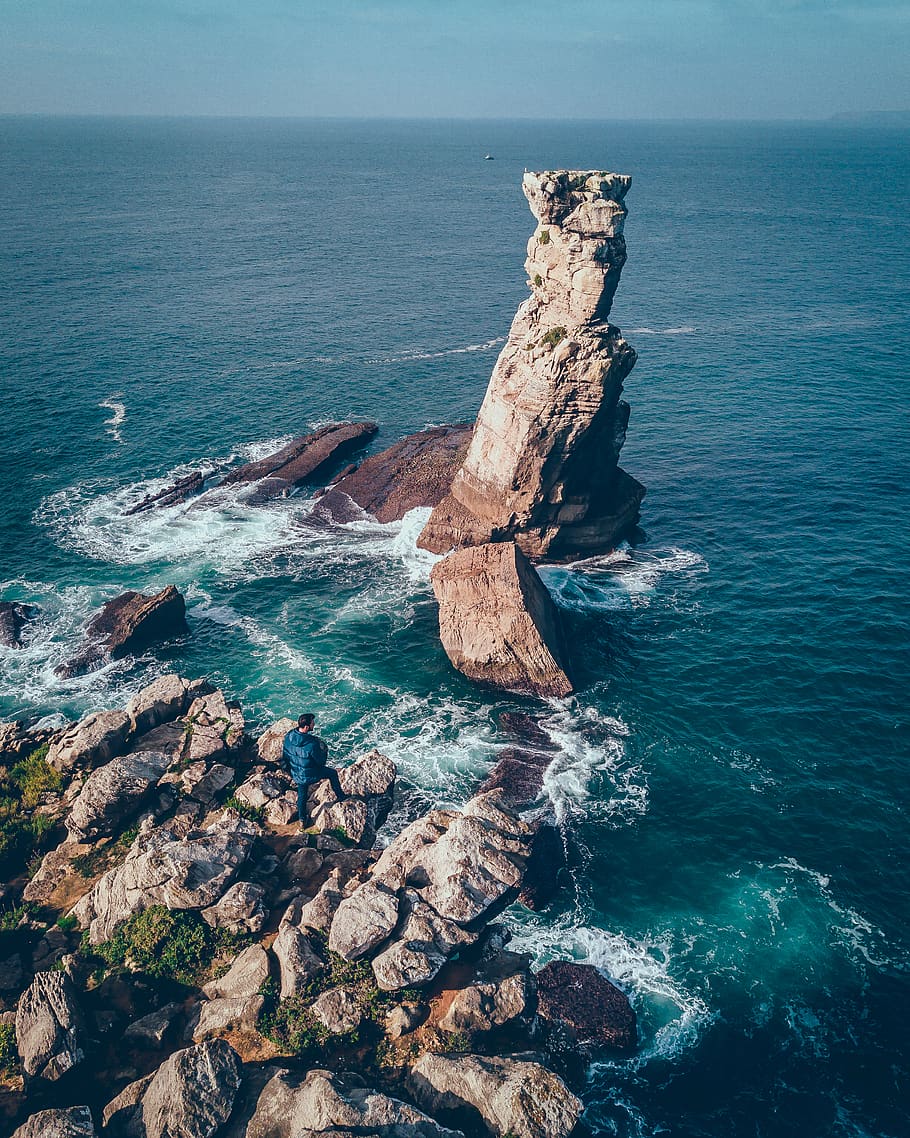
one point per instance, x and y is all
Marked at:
(512, 1096)
(486, 1004)
(75, 1122)
(302, 865)
(319, 912)
(403, 1019)
(181, 873)
(420, 947)
(113, 792)
(122, 1106)
(297, 960)
(92, 741)
(152, 1028)
(262, 785)
(270, 743)
(203, 780)
(363, 921)
(162, 701)
(369, 783)
(323, 1103)
(338, 1011)
(240, 910)
(245, 977)
(190, 1095)
(213, 727)
(49, 1032)
(216, 1017)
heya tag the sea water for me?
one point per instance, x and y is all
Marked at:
(176, 294)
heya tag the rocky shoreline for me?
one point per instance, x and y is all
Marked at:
(181, 960)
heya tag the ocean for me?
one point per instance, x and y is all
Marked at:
(734, 764)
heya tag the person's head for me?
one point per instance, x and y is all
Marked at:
(305, 722)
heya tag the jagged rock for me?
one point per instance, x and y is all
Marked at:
(397, 859)
(49, 1031)
(338, 1011)
(416, 471)
(297, 960)
(55, 866)
(151, 1029)
(302, 865)
(541, 468)
(172, 495)
(213, 727)
(162, 701)
(128, 624)
(330, 1104)
(74, 1122)
(514, 1097)
(121, 1108)
(498, 623)
(420, 947)
(240, 910)
(488, 1003)
(270, 743)
(583, 1006)
(403, 1019)
(263, 785)
(363, 921)
(546, 861)
(92, 741)
(203, 780)
(368, 782)
(318, 913)
(113, 792)
(245, 977)
(303, 460)
(190, 1095)
(215, 1017)
(17, 741)
(13, 618)
(160, 868)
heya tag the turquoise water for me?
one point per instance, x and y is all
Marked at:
(734, 765)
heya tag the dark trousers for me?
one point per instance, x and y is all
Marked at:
(303, 789)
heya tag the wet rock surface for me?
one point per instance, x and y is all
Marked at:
(14, 617)
(306, 458)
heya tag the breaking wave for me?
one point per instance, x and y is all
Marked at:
(626, 578)
(113, 424)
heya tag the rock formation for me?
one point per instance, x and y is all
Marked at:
(497, 622)
(13, 618)
(541, 468)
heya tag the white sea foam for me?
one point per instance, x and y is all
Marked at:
(625, 578)
(405, 357)
(114, 423)
(682, 330)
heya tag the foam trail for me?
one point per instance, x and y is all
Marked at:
(113, 424)
(626, 578)
(682, 330)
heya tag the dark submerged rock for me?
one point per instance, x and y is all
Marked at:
(171, 495)
(576, 1002)
(13, 618)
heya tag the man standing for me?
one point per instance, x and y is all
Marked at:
(305, 755)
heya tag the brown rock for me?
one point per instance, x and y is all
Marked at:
(577, 1001)
(305, 459)
(498, 623)
(129, 623)
(416, 471)
(171, 495)
(541, 468)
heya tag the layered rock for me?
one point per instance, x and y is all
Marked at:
(90, 742)
(128, 624)
(113, 792)
(497, 621)
(541, 468)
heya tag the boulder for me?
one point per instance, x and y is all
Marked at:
(541, 468)
(302, 865)
(420, 946)
(151, 1029)
(319, 912)
(245, 977)
(74, 1122)
(163, 869)
(297, 960)
(128, 624)
(325, 1103)
(270, 743)
(49, 1031)
(306, 459)
(338, 1010)
(583, 1007)
(488, 1003)
(497, 622)
(13, 618)
(114, 792)
(17, 741)
(162, 701)
(369, 782)
(239, 910)
(403, 1019)
(190, 1095)
(92, 741)
(513, 1097)
(264, 785)
(363, 920)
(214, 727)
(216, 1017)
(415, 472)
(204, 780)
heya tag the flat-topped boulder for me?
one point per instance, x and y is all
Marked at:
(128, 624)
(541, 468)
(497, 622)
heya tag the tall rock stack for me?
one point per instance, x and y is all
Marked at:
(542, 465)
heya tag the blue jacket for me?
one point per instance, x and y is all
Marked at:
(305, 755)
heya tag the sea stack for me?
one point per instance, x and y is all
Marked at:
(542, 467)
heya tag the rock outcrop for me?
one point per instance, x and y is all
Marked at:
(415, 471)
(113, 792)
(90, 742)
(49, 1031)
(497, 621)
(541, 468)
(76, 1122)
(129, 623)
(13, 618)
(186, 487)
(582, 1007)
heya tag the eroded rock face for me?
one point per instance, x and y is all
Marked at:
(93, 740)
(512, 1096)
(416, 471)
(213, 727)
(127, 624)
(497, 621)
(49, 1032)
(584, 1007)
(240, 910)
(162, 701)
(76, 1122)
(113, 792)
(541, 468)
(162, 869)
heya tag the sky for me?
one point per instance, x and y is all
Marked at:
(562, 59)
